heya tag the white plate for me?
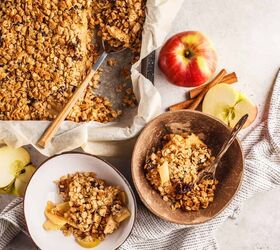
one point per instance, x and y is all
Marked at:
(42, 188)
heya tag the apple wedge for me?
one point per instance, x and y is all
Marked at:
(88, 244)
(62, 207)
(163, 173)
(244, 106)
(8, 190)
(53, 218)
(23, 179)
(111, 225)
(123, 215)
(228, 105)
(13, 160)
(49, 226)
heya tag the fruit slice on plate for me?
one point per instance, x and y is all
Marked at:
(53, 218)
(122, 215)
(62, 207)
(49, 226)
(229, 105)
(111, 225)
(13, 160)
(88, 244)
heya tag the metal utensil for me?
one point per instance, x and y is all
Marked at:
(53, 127)
(210, 171)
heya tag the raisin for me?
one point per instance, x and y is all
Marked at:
(77, 58)
(31, 100)
(183, 188)
(150, 166)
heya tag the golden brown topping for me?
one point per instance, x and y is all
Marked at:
(46, 51)
(91, 209)
(172, 169)
(121, 22)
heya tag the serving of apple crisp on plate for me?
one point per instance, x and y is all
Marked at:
(90, 210)
(82, 197)
(47, 48)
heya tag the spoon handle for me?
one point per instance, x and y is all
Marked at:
(238, 126)
(52, 129)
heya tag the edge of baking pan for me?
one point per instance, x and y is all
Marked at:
(148, 66)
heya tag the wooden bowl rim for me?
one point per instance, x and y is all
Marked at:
(170, 218)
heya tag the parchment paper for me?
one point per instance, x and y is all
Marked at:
(114, 137)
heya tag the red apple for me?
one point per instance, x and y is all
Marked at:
(188, 59)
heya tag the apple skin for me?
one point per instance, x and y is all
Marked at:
(23, 179)
(188, 59)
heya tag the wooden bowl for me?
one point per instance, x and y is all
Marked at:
(229, 172)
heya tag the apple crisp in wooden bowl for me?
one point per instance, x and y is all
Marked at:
(168, 155)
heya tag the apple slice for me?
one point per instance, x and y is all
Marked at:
(228, 105)
(13, 160)
(163, 173)
(23, 179)
(123, 215)
(88, 244)
(62, 207)
(8, 190)
(49, 226)
(193, 139)
(111, 225)
(243, 107)
(53, 218)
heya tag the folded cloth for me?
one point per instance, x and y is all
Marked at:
(11, 222)
(262, 173)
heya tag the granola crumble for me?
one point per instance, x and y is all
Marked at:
(121, 22)
(172, 169)
(91, 208)
(46, 51)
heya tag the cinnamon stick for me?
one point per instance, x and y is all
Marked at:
(181, 105)
(229, 79)
(200, 97)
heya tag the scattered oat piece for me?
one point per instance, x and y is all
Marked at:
(111, 62)
(125, 73)
(119, 88)
(129, 100)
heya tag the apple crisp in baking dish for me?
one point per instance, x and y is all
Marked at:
(47, 48)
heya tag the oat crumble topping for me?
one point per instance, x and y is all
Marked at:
(46, 51)
(172, 169)
(94, 209)
(121, 22)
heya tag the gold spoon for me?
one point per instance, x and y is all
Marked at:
(53, 127)
(210, 171)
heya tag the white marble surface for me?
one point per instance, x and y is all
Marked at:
(247, 37)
